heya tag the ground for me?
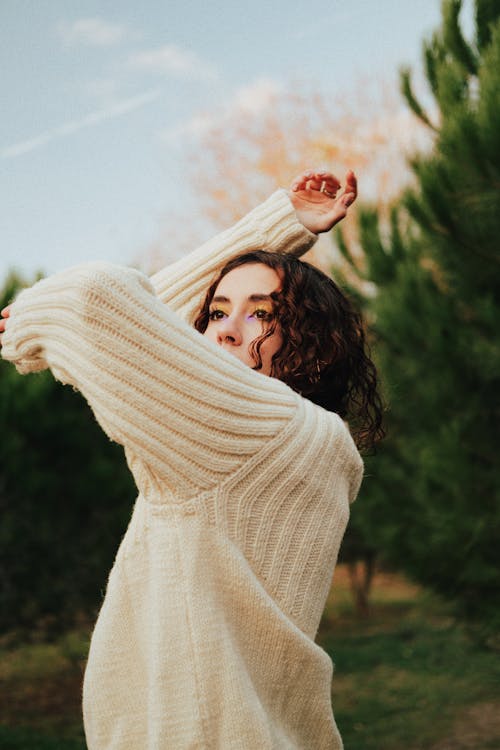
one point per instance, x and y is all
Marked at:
(408, 677)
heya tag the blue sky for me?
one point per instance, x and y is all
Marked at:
(98, 96)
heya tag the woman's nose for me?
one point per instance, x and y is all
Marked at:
(229, 332)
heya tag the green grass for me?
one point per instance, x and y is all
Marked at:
(40, 695)
(24, 739)
(409, 677)
(406, 678)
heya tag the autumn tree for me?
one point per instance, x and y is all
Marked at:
(269, 134)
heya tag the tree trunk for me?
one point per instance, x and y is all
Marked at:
(361, 577)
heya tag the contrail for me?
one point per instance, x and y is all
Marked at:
(90, 120)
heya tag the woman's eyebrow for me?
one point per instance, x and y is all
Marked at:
(259, 297)
(251, 298)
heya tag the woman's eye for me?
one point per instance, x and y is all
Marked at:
(263, 315)
(216, 314)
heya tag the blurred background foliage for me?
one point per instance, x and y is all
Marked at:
(65, 499)
(424, 265)
(430, 502)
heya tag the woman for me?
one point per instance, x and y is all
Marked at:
(206, 635)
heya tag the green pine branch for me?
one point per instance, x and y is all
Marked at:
(487, 14)
(454, 39)
(412, 101)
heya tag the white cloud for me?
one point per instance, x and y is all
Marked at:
(256, 97)
(72, 126)
(95, 32)
(253, 99)
(24, 146)
(172, 60)
(194, 126)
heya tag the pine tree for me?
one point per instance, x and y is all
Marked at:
(433, 498)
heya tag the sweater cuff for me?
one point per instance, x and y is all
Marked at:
(36, 314)
(19, 341)
(285, 233)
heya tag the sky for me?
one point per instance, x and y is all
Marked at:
(97, 99)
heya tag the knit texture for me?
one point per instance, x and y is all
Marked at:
(206, 635)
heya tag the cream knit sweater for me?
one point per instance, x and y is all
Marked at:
(205, 639)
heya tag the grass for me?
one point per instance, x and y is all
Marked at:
(40, 695)
(406, 678)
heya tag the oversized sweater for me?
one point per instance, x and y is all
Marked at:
(205, 639)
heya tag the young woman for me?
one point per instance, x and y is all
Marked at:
(206, 635)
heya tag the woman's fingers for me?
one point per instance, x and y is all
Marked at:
(329, 183)
(351, 190)
(316, 181)
(320, 179)
(348, 199)
(351, 184)
(3, 320)
(324, 181)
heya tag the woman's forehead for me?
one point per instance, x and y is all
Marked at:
(249, 280)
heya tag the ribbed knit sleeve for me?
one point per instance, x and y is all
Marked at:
(272, 226)
(184, 407)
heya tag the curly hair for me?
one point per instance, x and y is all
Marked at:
(324, 355)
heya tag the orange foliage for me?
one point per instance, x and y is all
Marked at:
(241, 156)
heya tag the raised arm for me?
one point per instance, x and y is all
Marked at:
(287, 222)
(189, 411)
(272, 226)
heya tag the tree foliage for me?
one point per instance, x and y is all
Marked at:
(268, 135)
(434, 508)
(65, 498)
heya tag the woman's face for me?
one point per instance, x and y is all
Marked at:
(242, 310)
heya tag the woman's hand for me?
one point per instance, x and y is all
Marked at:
(314, 198)
(3, 320)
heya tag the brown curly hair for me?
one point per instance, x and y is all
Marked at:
(324, 355)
